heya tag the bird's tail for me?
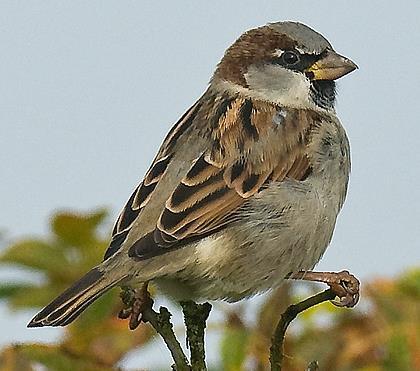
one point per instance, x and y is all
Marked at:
(66, 307)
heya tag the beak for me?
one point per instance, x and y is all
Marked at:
(331, 67)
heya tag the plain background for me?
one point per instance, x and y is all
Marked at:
(89, 89)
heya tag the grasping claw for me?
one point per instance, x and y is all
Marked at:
(347, 288)
(343, 284)
(135, 302)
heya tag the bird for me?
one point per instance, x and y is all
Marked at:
(246, 187)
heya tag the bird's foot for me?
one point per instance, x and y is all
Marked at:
(135, 302)
(347, 289)
(343, 284)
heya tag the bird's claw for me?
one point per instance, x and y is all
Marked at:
(347, 288)
(135, 302)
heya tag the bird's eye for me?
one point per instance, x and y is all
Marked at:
(290, 58)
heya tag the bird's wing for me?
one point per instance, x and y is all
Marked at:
(142, 194)
(248, 145)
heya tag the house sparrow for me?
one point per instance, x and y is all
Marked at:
(246, 187)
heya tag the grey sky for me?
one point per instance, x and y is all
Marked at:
(89, 89)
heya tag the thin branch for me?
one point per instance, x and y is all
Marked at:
(163, 326)
(195, 317)
(276, 350)
(138, 304)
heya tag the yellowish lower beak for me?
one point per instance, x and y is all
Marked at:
(331, 67)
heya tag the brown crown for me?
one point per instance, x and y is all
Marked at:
(252, 47)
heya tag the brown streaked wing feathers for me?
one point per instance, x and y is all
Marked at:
(235, 167)
(144, 191)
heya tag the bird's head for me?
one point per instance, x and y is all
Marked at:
(287, 63)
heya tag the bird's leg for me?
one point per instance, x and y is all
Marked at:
(343, 284)
(135, 301)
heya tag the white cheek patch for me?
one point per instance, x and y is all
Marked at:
(279, 85)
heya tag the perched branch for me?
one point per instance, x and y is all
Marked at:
(276, 350)
(163, 326)
(139, 305)
(195, 317)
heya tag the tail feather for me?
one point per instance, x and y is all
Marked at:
(67, 306)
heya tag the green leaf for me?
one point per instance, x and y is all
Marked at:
(34, 296)
(409, 283)
(233, 348)
(26, 295)
(398, 354)
(36, 254)
(8, 290)
(77, 229)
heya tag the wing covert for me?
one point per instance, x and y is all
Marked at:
(247, 150)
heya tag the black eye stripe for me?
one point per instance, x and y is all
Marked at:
(304, 62)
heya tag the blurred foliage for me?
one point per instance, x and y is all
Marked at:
(98, 340)
(382, 333)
